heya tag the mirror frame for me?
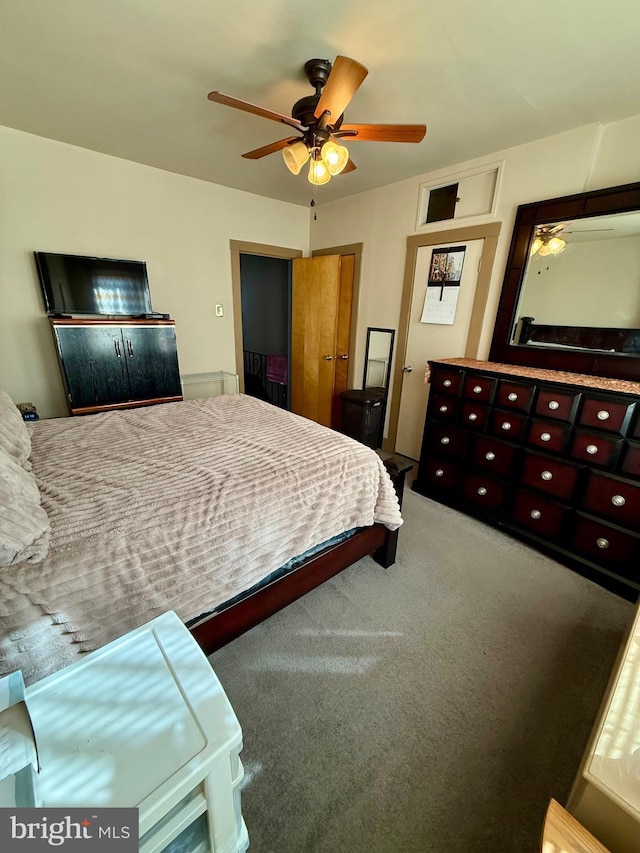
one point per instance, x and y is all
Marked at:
(621, 199)
(387, 378)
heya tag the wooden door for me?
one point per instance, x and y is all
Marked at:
(152, 361)
(343, 336)
(93, 363)
(315, 302)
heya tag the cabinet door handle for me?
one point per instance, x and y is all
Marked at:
(129, 347)
(116, 345)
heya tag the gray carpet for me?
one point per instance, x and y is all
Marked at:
(435, 706)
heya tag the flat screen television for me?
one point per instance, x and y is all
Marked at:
(73, 284)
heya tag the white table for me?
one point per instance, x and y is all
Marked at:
(144, 722)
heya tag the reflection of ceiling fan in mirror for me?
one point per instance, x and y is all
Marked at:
(550, 239)
(318, 119)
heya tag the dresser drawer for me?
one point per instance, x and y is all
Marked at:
(631, 460)
(446, 381)
(559, 405)
(612, 498)
(512, 395)
(607, 545)
(443, 438)
(538, 514)
(444, 408)
(550, 437)
(493, 456)
(479, 388)
(555, 477)
(595, 448)
(607, 414)
(473, 415)
(484, 492)
(440, 473)
(507, 425)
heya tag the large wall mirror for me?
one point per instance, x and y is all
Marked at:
(571, 292)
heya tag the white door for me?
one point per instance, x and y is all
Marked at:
(432, 341)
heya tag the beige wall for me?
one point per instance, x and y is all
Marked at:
(54, 197)
(586, 158)
(58, 198)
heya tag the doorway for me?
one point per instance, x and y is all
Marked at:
(256, 261)
(420, 342)
(265, 285)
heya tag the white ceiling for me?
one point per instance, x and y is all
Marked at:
(130, 78)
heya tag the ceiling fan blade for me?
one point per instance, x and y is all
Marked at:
(269, 149)
(383, 132)
(344, 81)
(229, 101)
(349, 167)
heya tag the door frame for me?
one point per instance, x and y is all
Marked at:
(489, 233)
(355, 249)
(240, 247)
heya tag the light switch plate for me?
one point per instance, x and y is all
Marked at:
(219, 311)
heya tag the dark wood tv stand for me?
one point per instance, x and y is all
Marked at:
(116, 363)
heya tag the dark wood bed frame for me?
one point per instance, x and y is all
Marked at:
(217, 630)
(583, 337)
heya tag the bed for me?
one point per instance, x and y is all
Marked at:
(223, 510)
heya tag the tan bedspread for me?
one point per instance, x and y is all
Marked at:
(178, 506)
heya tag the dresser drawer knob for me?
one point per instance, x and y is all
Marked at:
(482, 491)
(477, 389)
(506, 425)
(553, 405)
(546, 475)
(439, 472)
(535, 513)
(618, 500)
(545, 436)
(447, 383)
(443, 409)
(445, 439)
(592, 449)
(512, 397)
(473, 416)
(603, 415)
(490, 456)
(601, 542)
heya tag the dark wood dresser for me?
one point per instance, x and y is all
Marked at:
(551, 457)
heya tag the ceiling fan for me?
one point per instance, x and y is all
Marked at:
(550, 239)
(318, 119)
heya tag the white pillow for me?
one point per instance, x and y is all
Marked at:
(14, 435)
(24, 525)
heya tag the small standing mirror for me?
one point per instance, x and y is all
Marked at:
(377, 359)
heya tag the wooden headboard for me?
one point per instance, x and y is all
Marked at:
(579, 337)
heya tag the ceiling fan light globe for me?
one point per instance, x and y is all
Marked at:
(556, 244)
(536, 245)
(295, 156)
(544, 250)
(336, 156)
(318, 173)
